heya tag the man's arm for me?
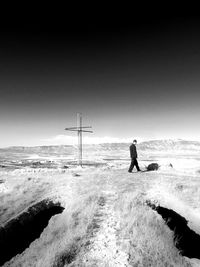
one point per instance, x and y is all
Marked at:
(131, 151)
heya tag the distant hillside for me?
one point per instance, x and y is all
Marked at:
(176, 145)
(154, 145)
(157, 145)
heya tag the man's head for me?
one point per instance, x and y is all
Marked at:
(134, 141)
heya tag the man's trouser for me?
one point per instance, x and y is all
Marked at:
(134, 162)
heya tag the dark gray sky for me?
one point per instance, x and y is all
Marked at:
(138, 79)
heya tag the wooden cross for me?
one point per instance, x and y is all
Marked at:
(80, 129)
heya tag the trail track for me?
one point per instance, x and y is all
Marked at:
(105, 248)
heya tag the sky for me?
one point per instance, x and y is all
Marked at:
(138, 79)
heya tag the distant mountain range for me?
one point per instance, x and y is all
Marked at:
(170, 145)
(157, 145)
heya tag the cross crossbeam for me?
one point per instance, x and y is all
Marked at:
(80, 129)
(84, 131)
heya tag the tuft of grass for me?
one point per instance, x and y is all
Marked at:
(64, 238)
(79, 228)
(67, 256)
(150, 240)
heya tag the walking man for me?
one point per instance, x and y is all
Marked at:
(133, 154)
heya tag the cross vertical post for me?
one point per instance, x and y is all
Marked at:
(79, 129)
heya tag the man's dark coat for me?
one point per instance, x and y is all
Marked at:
(133, 151)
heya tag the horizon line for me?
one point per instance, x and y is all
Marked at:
(87, 144)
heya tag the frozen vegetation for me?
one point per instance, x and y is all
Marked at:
(105, 219)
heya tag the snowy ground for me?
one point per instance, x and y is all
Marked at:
(105, 213)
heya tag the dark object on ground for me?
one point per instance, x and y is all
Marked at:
(152, 167)
(2, 166)
(18, 233)
(76, 174)
(1, 181)
(170, 165)
(65, 167)
(185, 239)
(36, 164)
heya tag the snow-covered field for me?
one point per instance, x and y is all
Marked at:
(106, 221)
